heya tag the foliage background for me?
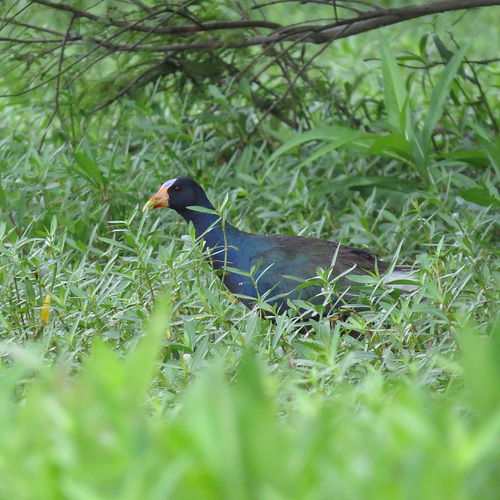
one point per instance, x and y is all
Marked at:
(394, 146)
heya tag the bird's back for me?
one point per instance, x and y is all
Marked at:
(282, 264)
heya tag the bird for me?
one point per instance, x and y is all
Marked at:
(276, 269)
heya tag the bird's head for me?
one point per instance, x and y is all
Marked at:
(179, 194)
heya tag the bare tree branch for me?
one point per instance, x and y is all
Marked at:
(173, 30)
(125, 47)
(316, 34)
(56, 92)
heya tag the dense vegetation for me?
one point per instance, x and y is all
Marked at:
(126, 369)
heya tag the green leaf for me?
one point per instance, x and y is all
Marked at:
(115, 243)
(395, 94)
(480, 196)
(392, 144)
(491, 148)
(203, 210)
(88, 169)
(216, 93)
(353, 138)
(440, 93)
(422, 45)
(447, 54)
(53, 226)
(481, 370)
(3, 198)
(444, 52)
(394, 183)
(418, 149)
(142, 361)
(476, 158)
(336, 135)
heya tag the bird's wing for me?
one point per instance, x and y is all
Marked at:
(281, 258)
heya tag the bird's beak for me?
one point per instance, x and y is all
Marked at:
(160, 199)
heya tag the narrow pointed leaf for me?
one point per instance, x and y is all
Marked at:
(441, 92)
(394, 90)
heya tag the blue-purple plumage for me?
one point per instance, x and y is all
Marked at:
(272, 266)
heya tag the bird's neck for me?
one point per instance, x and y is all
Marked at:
(209, 226)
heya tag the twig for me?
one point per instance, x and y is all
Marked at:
(31, 26)
(56, 91)
(130, 85)
(167, 30)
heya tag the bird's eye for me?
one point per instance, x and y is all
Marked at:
(177, 188)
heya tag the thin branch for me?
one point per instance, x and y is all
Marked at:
(340, 29)
(387, 17)
(107, 44)
(54, 77)
(291, 85)
(232, 34)
(130, 85)
(442, 63)
(56, 92)
(317, 34)
(340, 4)
(27, 41)
(31, 26)
(167, 30)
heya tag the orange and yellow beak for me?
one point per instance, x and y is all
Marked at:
(160, 199)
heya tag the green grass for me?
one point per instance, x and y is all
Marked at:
(213, 401)
(246, 433)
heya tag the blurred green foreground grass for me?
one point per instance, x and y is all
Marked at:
(104, 435)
